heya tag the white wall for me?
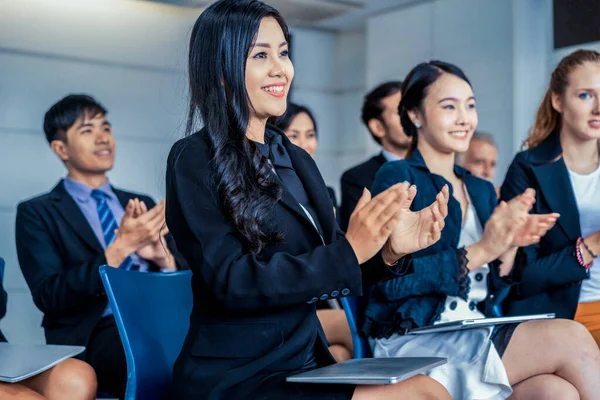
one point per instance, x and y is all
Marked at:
(130, 56)
(532, 52)
(330, 70)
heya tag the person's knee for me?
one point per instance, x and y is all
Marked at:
(578, 341)
(430, 389)
(554, 388)
(76, 378)
(569, 338)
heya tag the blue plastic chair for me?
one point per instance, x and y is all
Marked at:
(152, 313)
(354, 307)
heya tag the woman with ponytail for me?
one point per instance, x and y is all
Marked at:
(251, 214)
(562, 273)
(464, 274)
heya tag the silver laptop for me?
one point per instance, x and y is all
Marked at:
(19, 362)
(369, 371)
(476, 323)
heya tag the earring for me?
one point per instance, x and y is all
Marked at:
(417, 125)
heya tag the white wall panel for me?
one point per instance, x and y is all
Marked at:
(108, 31)
(141, 103)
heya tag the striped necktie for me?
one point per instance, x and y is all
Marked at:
(108, 223)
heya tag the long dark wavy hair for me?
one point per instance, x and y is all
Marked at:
(416, 87)
(219, 46)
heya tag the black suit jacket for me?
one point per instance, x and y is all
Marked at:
(60, 257)
(254, 320)
(3, 298)
(552, 277)
(353, 182)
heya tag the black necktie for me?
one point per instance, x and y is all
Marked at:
(285, 171)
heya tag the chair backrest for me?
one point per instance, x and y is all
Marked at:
(152, 313)
(354, 307)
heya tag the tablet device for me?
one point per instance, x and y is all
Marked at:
(19, 362)
(476, 323)
(369, 371)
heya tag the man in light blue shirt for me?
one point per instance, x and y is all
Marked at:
(64, 236)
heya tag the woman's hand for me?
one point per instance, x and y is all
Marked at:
(373, 220)
(417, 230)
(505, 223)
(535, 227)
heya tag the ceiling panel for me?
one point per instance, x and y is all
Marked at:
(327, 14)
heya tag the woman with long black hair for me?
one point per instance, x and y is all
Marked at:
(251, 214)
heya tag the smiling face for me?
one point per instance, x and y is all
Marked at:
(447, 115)
(269, 71)
(302, 133)
(579, 105)
(89, 148)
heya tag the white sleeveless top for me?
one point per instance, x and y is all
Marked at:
(474, 370)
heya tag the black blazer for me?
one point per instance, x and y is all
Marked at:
(254, 321)
(551, 279)
(59, 256)
(3, 301)
(353, 182)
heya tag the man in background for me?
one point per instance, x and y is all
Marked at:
(65, 235)
(482, 156)
(380, 116)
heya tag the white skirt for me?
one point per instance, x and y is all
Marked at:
(474, 370)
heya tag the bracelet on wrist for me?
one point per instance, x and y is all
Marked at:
(580, 256)
(389, 264)
(587, 248)
(386, 262)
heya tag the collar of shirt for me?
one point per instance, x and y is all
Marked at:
(389, 156)
(417, 160)
(83, 192)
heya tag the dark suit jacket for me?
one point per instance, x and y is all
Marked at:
(254, 320)
(3, 297)
(551, 280)
(60, 255)
(353, 182)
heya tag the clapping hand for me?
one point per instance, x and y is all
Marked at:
(417, 230)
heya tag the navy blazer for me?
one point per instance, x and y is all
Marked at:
(254, 318)
(552, 277)
(418, 299)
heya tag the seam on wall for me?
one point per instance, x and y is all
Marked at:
(332, 91)
(90, 61)
(118, 137)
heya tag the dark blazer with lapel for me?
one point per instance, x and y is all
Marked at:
(353, 182)
(3, 298)
(60, 257)
(551, 278)
(254, 321)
